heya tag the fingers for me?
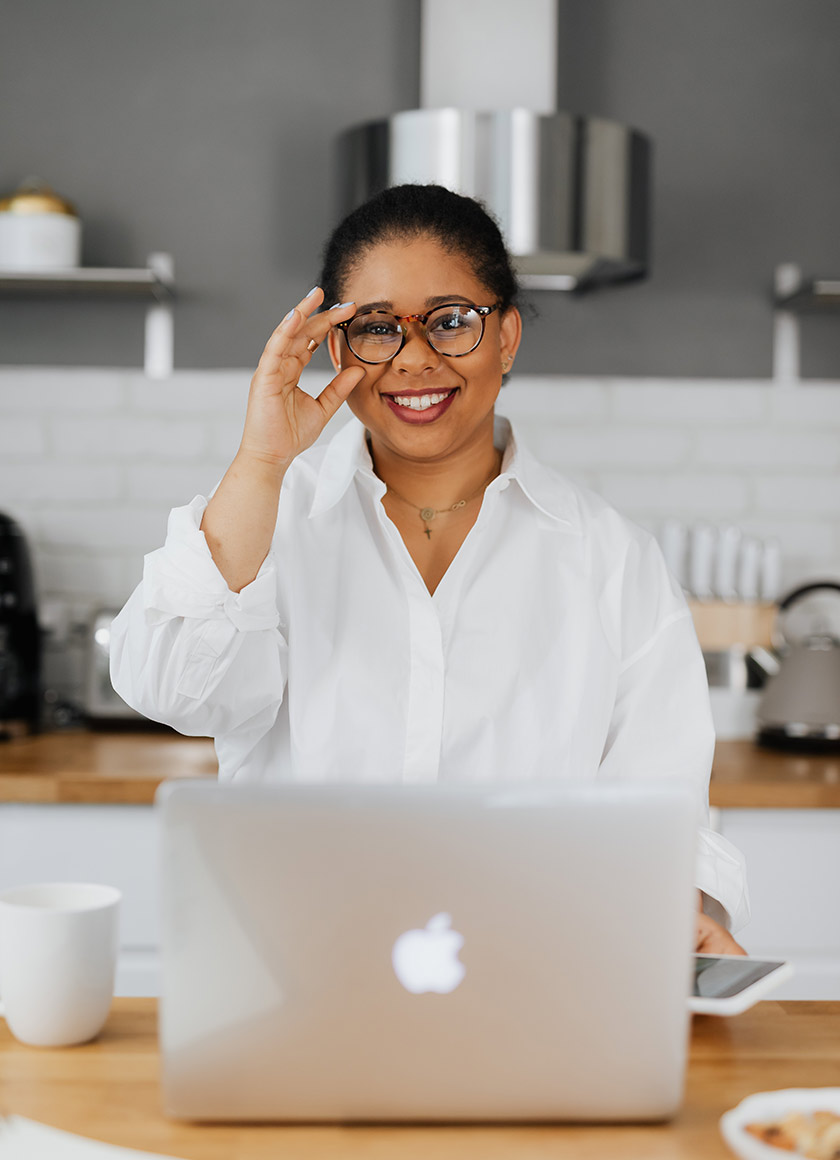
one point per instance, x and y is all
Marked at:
(299, 335)
(714, 939)
(317, 326)
(335, 392)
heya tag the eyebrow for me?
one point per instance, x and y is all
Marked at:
(431, 303)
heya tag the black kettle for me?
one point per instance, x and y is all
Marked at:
(20, 638)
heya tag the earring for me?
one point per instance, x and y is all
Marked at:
(506, 365)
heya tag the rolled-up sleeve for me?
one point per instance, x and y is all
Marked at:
(662, 727)
(661, 723)
(189, 652)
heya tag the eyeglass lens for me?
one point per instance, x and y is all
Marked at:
(377, 336)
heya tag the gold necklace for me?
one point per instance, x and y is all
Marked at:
(427, 514)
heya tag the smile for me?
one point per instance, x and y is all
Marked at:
(420, 402)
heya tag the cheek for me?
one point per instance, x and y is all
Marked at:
(365, 392)
(489, 363)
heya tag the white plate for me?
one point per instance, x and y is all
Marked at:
(762, 1106)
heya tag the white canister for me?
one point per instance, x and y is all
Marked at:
(38, 230)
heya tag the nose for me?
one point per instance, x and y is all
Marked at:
(416, 355)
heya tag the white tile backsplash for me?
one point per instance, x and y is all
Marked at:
(74, 389)
(191, 392)
(21, 437)
(802, 494)
(129, 527)
(48, 480)
(593, 447)
(688, 400)
(805, 405)
(91, 461)
(553, 399)
(167, 484)
(778, 450)
(129, 435)
(690, 496)
(72, 575)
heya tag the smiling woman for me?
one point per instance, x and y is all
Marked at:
(418, 600)
(428, 404)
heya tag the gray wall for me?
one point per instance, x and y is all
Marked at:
(742, 101)
(205, 127)
(201, 127)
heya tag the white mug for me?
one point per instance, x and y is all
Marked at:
(58, 957)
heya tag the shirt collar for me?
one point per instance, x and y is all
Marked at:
(347, 455)
(551, 493)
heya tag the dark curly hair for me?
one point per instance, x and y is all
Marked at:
(461, 224)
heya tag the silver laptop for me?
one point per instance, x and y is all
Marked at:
(438, 953)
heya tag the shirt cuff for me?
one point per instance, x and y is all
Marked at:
(721, 874)
(181, 579)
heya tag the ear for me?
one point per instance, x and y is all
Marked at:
(510, 333)
(334, 345)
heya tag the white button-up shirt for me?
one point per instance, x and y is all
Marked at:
(557, 645)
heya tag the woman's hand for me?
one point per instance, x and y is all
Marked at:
(713, 939)
(282, 420)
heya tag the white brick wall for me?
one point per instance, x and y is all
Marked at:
(752, 453)
(92, 460)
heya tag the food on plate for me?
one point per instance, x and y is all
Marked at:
(815, 1135)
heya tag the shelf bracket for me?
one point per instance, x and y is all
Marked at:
(787, 282)
(159, 338)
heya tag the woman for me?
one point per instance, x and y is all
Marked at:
(419, 600)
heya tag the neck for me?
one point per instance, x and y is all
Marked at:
(440, 482)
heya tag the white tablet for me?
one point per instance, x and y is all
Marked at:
(729, 984)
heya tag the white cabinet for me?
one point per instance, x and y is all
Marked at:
(793, 868)
(793, 872)
(113, 844)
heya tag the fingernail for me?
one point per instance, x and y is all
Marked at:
(314, 290)
(289, 315)
(342, 304)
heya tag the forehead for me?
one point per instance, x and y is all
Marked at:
(409, 273)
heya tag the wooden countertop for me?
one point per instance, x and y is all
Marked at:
(126, 768)
(747, 777)
(104, 767)
(109, 1090)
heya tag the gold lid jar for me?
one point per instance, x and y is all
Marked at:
(35, 196)
(39, 229)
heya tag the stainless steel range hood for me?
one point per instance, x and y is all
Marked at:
(570, 193)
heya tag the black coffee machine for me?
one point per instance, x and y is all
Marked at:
(20, 641)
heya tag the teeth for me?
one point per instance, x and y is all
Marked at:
(420, 402)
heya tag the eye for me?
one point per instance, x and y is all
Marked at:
(453, 320)
(375, 327)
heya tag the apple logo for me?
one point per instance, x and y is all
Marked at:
(427, 960)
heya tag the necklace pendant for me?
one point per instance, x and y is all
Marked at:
(428, 532)
(427, 514)
(461, 503)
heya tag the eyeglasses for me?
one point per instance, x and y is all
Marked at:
(453, 329)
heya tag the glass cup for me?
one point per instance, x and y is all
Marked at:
(58, 957)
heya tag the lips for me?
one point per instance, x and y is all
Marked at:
(420, 406)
